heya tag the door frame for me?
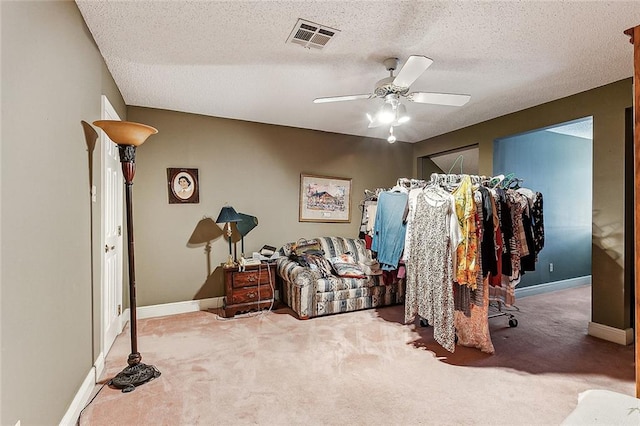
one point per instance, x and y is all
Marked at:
(107, 112)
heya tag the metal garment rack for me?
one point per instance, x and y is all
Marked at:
(497, 305)
(505, 182)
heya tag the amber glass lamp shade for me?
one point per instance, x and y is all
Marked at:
(126, 132)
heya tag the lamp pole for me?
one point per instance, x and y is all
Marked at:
(128, 163)
(128, 136)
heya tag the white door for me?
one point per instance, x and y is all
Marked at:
(112, 189)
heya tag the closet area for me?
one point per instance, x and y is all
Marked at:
(463, 242)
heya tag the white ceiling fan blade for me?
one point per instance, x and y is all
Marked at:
(448, 99)
(341, 98)
(411, 70)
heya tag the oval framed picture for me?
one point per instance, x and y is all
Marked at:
(184, 187)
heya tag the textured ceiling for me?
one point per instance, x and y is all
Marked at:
(580, 129)
(230, 58)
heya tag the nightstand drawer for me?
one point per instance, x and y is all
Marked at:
(250, 294)
(248, 290)
(250, 278)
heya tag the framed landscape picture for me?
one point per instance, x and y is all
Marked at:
(324, 199)
(183, 186)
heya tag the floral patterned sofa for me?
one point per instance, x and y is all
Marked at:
(311, 286)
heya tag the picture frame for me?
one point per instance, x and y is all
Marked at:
(183, 186)
(324, 199)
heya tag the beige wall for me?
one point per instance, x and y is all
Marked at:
(606, 104)
(253, 167)
(52, 77)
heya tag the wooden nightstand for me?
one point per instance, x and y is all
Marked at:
(250, 290)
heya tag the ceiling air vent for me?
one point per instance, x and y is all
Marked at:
(310, 35)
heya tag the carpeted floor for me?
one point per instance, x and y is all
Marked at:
(363, 368)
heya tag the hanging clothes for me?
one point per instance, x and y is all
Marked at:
(464, 245)
(467, 252)
(488, 239)
(435, 234)
(472, 329)
(389, 228)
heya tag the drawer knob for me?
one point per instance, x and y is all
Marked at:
(252, 278)
(252, 295)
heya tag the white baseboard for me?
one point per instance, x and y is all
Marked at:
(601, 331)
(84, 393)
(98, 366)
(153, 311)
(612, 334)
(553, 286)
(80, 400)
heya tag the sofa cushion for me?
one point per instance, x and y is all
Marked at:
(334, 283)
(345, 266)
(371, 267)
(335, 246)
(318, 263)
(303, 246)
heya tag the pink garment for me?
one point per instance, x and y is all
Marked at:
(402, 271)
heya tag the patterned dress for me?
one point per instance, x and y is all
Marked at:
(467, 255)
(473, 328)
(429, 286)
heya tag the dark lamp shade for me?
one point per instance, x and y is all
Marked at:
(246, 224)
(242, 228)
(228, 214)
(206, 230)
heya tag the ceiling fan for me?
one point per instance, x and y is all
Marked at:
(391, 89)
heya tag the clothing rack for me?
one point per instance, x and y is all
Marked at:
(452, 179)
(504, 192)
(515, 215)
(501, 181)
(513, 321)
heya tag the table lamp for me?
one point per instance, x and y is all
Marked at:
(243, 227)
(128, 135)
(227, 216)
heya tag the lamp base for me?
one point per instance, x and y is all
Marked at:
(230, 262)
(135, 374)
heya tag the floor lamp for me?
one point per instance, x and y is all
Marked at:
(128, 136)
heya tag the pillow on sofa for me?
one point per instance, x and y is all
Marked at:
(371, 267)
(345, 266)
(315, 262)
(319, 263)
(304, 246)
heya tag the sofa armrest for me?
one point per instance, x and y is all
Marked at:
(294, 273)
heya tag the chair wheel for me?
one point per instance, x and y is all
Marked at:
(513, 322)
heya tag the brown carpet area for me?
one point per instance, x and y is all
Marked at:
(363, 368)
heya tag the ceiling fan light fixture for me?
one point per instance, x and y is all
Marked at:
(387, 114)
(401, 114)
(370, 118)
(392, 137)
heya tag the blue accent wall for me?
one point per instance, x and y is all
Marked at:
(560, 167)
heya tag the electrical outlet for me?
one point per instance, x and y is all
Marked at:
(550, 267)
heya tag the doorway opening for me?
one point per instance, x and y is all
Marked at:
(460, 160)
(556, 161)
